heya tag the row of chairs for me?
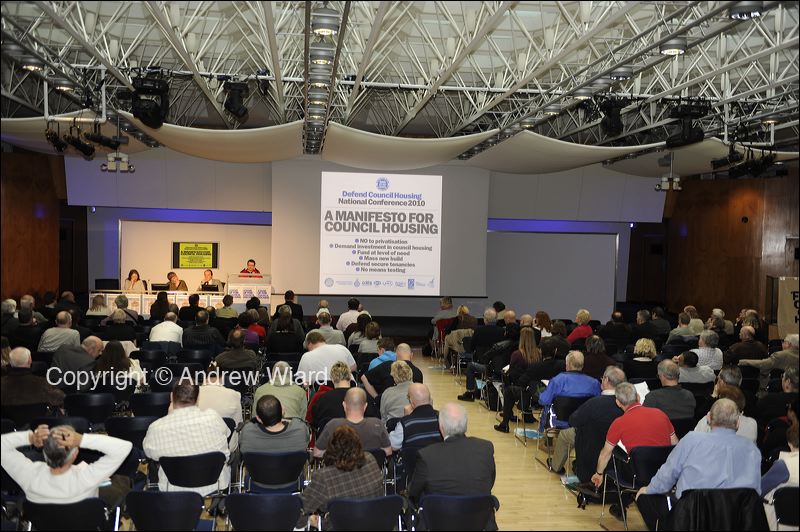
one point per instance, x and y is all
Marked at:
(182, 511)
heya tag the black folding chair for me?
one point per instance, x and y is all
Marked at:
(277, 512)
(96, 407)
(193, 471)
(683, 426)
(153, 510)
(195, 356)
(631, 472)
(562, 407)
(278, 470)
(381, 513)
(457, 512)
(787, 512)
(132, 429)
(150, 359)
(88, 514)
(155, 404)
(80, 424)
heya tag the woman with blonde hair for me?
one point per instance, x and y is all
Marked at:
(644, 350)
(583, 330)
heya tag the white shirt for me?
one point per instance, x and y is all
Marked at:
(331, 335)
(55, 337)
(188, 431)
(346, 319)
(315, 366)
(709, 356)
(224, 401)
(748, 428)
(167, 331)
(79, 482)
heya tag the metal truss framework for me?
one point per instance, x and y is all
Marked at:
(424, 69)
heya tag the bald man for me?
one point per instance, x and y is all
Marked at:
(21, 387)
(379, 378)
(61, 334)
(371, 430)
(420, 425)
(747, 348)
(76, 359)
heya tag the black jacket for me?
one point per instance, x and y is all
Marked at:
(297, 311)
(645, 330)
(619, 333)
(591, 422)
(555, 347)
(26, 336)
(718, 509)
(485, 337)
(546, 369)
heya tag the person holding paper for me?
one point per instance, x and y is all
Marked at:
(208, 280)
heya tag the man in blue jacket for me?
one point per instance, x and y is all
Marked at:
(570, 383)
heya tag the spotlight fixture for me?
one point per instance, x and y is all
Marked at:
(86, 149)
(621, 73)
(63, 85)
(674, 46)
(733, 157)
(611, 123)
(102, 140)
(325, 21)
(528, 123)
(31, 64)
(602, 83)
(552, 110)
(150, 99)
(770, 120)
(321, 53)
(317, 96)
(319, 78)
(316, 111)
(584, 93)
(745, 10)
(234, 101)
(53, 138)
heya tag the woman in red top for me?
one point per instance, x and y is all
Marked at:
(255, 327)
(582, 330)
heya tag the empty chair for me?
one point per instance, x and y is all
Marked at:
(192, 370)
(88, 514)
(152, 510)
(95, 407)
(21, 415)
(787, 512)
(154, 404)
(150, 359)
(672, 350)
(196, 356)
(276, 470)
(381, 513)
(457, 512)
(132, 429)
(80, 424)
(263, 512)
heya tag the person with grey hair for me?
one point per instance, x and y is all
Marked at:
(121, 302)
(639, 426)
(570, 383)
(703, 460)
(644, 327)
(168, 330)
(8, 322)
(728, 324)
(787, 357)
(588, 427)
(56, 481)
(773, 405)
(671, 398)
(71, 359)
(61, 334)
(486, 335)
(708, 354)
(281, 385)
(20, 387)
(460, 465)
(331, 335)
(120, 328)
(747, 348)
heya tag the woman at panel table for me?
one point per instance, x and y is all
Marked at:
(175, 284)
(208, 280)
(133, 283)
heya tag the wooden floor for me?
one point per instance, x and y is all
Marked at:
(531, 498)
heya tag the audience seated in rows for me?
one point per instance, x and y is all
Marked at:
(117, 367)
(661, 325)
(718, 459)
(237, 356)
(543, 326)
(463, 320)
(57, 480)
(372, 336)
(202, 336)
(787, 357)
(281, 385)
(493, 360)
(255, 325)
(285, 333)
(67, 302)
(315, 365)
(121, 302)
(582, 330)
(70, 358)
(379, 378)
(187, 431)
(570, 383)
(331, 335)
(588, 427)
(556, 345)
(671, 398)
(773, 405)
(290, 300)
(83, 332)
(616, 330)
(645, 328)
(8, 322)
(488, 334)
(696, 325)
(644, 350)
(371, 431)
(61, 334)
(160, 307)
(20, 387)
(419, 424)
(691, 373)
(727, 324)
(360, 331)
(189, 312)
(227, 311)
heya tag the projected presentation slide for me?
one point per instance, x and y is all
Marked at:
(380, 234)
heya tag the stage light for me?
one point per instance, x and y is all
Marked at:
(611, 123)
(733, 157)
(528, 122)
(584, 93)
(102, 140)
(151, 100)
(552, 110)
(745, 10)
(317, 96)
(687, 134)
(86, 149)
(53, 138)
(316, 111)
(321, 53)
(325, 21)
(319, 78)
(602, 83)
(234, 101)
(770, 120)
(621, 73)
(674, 46)
(63, 85)
(31, 64)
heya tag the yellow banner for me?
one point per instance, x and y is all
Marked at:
(195, 255)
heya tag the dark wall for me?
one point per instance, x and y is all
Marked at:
(30, 223)
(725, 236)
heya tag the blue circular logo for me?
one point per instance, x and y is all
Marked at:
(382, 183)
(328, 282)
